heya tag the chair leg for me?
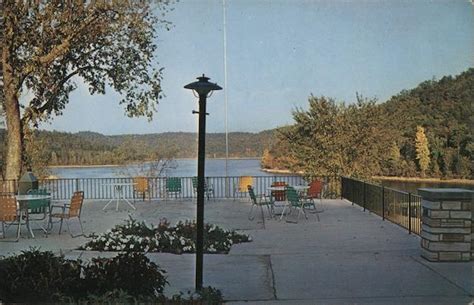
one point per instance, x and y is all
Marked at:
(250, 213)
(69, 229)
(263, 216)
(18, 230)
(61, 225)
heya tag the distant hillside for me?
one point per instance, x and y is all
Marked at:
(89, 148)
(383, 134)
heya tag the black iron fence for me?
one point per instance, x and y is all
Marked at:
(397, 206)
(223, 187)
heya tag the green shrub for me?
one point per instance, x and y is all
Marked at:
(130, 272)
(36, 276)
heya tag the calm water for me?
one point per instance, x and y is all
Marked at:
(412, 187)
(216, 168)
(181, 168)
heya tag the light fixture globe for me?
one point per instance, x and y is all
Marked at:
(203, 87)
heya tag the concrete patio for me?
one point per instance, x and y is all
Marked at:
(349, 257)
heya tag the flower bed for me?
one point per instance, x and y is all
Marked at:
(138, 236)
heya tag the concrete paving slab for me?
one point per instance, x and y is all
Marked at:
(436, 300)
(348, 257)
(356, 275)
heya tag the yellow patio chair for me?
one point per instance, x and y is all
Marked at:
(141, 186)
(69, 211)
(242, 186)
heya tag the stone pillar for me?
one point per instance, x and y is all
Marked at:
(446, 231)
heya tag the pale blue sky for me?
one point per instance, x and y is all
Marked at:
(281, 51)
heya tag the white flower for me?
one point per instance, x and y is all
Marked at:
(131, 246)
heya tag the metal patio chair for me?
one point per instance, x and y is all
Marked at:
(141, 187)
(208, 188)
(9, 215)
(260, 201)
(38, 209)
(296, 202)
(68, 211)
(173, 186)
(315, 191)
(241, 186)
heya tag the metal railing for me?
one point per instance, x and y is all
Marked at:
(399, 207)
(223, 187)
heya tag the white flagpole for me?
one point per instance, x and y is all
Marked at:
(226, 89)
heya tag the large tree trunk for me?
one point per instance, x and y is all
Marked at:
(12, 114)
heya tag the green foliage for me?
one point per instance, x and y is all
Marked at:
(36, 276)
(138, 236)
(129, 278)
(131, 272)
(333, 139)
(366, 138)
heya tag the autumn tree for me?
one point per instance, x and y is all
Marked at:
(331, 138)
(50, 45)
(422, 150)
(267, 159)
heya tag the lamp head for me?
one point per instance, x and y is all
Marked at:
(203, 87)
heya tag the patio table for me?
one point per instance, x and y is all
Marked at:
(119, 194)
(23, 201)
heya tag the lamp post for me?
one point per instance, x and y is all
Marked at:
(202, 88)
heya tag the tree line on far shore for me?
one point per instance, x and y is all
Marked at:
(426, 131)
(46, 148)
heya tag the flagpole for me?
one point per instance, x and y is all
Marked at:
(225, 98)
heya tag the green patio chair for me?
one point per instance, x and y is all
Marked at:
(296, 202)
(38, 209)
(173, 186)
(260, 201)
(208, 189)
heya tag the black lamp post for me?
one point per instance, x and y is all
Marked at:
(202, 88)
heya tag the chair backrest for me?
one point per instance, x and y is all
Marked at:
(8, 208)
(292, 196)
(195, 183)
(76, 204)
(38, 206)
(244, 182)
(315, 189)
(140, 184)
(279, 195)
(173, 184)
(252, 194)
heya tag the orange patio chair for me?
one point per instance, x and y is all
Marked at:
(9, 214)
(315, 191)
(68, 211)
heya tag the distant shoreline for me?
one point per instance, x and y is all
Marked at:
(134, 163)
(429, 180)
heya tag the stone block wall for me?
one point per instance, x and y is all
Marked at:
(447, 226)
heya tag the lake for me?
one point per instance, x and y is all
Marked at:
(180, 168)
(412, 186)
(216, 168)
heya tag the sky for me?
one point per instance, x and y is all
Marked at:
(279, 52)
